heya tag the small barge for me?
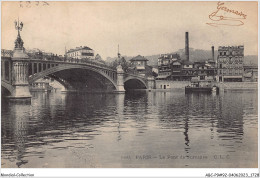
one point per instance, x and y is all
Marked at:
(203, 86)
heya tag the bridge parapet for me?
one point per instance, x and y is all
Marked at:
(73, 61)
(6, 53)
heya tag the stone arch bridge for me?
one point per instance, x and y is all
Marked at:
(19, 72)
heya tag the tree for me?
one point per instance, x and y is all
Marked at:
(99, 59)
(125, 65)
(114, 64)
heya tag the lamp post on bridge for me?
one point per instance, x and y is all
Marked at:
(20, 67)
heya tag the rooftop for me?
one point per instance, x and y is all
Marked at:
(186, 62)
(231, 47)
(79, 48)
(169, 56)
(139, 58)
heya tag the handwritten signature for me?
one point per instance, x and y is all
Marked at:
(220, 19)
(30, 4)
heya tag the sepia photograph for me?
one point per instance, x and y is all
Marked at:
(129, 84)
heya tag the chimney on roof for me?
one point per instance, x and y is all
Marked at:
(187, 46)
(212, 52)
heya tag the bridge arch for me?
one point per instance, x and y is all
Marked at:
(62, 67)
(139, 80)
(7, 86)
(64, 83)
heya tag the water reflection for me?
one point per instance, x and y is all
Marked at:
(15, 132)
(120, 112)
(95, 130)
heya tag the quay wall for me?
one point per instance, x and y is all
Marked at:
(164, 84)
(237, 85)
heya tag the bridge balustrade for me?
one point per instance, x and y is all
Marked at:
(72, 60)
(6, 53)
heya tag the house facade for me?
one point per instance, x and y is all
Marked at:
(230, 63)
(139, 65)
(165, 65)
(81, 52)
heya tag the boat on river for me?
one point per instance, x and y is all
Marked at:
(203, 86)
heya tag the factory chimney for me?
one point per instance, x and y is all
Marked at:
(187, 46)
(212, 51)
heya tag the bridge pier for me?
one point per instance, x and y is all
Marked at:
(20, 76)
(120, 79)
(151, 83)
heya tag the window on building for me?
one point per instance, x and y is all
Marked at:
(228, 53)
(165, 62)
(230, 59)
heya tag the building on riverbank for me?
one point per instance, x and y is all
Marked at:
(168, 64)
(139, 65)
(230, 63)
(250, 73)
(171, 67)
(205, 69)
(80, 53)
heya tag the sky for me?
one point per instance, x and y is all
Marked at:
(144, 28)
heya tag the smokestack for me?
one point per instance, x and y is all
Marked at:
(212, 50)
(187, 45)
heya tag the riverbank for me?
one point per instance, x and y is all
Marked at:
(238, 85)
(168, 85)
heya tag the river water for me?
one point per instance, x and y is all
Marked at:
(136, 129)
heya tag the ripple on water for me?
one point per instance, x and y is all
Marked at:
(139, 123)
